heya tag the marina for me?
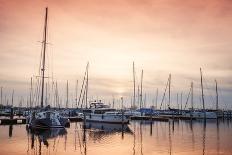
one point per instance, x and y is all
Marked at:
(115, 77)
(138, 137)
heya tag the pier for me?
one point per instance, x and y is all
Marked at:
(22, 120)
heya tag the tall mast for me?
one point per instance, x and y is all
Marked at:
(134, 84)
(113, 101)
(76, 92)
(12, 99)
(177, 101)
(46, 94)
(139, 96)
(141, 90)
(87, 83)
(216, 95)
(169, 91)
(44, 51)
(202, 91)
(31, 93)
(192, 95)
(67, 95)
(181, 101)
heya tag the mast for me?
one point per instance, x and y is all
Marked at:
(76, 92)
(192, 95)
(169, 91)
(181, 102)
(44, 51)
(113, 101)
(56, 95)
(141, 90)
(82, 87)
(139, 96)
(216, 95)
(30, 94)
(177, 102)
(202, 91)
(67, 95)
(46, 94)
(134, 84)
(87, 83)
(12, 99)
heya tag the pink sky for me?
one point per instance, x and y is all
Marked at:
(161, 36)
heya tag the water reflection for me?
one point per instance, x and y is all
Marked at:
(41, 136)
(204, 133)
(102, 130)
(191, 137)
(10, 130)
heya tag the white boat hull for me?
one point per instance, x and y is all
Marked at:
(102, 118)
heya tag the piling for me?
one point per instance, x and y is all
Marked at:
(122, 116)
(84, 121)
(11, 113)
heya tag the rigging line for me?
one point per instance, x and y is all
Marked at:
(83, 98)
(164, 95)
(37, 91)
(187, 98)
(79, 139)
(82, 87)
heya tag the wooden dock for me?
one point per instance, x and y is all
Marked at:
(8, 121)
(164, 118)
(22, 120)
(179, 117)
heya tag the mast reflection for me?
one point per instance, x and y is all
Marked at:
(39, 137)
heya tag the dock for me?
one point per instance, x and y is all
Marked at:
(153, 118)
(22, 120)
(8, 121)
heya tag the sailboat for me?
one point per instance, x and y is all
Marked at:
(44, 117)
(202, 114)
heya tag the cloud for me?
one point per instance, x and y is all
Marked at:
(162, 37)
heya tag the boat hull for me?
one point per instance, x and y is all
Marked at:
(113, 119)
(201, 115)
(46, 120)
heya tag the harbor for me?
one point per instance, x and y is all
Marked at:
(139, 137)
(115, 77)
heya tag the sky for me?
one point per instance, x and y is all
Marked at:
(162, 37)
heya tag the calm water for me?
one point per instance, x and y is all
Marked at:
(138, 138)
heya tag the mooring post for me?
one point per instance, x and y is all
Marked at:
(122, 116)
(11, 113)
(84, 120)
(122, 111)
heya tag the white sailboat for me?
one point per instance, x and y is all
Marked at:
(46, 118)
